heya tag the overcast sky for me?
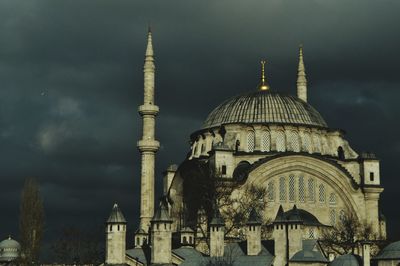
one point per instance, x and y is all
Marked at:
(71, 80)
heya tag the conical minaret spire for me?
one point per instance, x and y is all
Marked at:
(301, 77)
(148, 145)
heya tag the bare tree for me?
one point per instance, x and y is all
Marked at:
(345, 237)
(204, 188)
(31, 222)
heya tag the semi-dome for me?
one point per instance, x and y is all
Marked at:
(392, 251)
(264, 106)
(346, 260)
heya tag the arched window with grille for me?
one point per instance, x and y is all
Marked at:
(342, 215)
(250, 141)
(265, 141)
(301, 189)
(332, 216)
(307, 142)
(332, 199)
(294, 141)
(311, 190)
(282, 189)
(280, 141)
(311, 233)
(317, 144)
(271, 191)
(321, 193)
(291, 188)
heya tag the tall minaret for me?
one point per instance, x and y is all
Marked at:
(148, 145)
(301, 77)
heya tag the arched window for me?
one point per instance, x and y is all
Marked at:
(184, 240)
(342, 215)
(332, 217)
(340, 152)
(190, 240)
(307, 142)
(332, 198)
(311, 190)
(294, 141)
(203, 148)
(265, 141)
(317, 144)
(282, 189)
(291, 188)
(311, 233)
(280, 141)
(301, 189)
(271, 191)
(321, 193)
(195, 149)
(250, 141)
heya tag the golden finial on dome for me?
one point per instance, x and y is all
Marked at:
(264, 85)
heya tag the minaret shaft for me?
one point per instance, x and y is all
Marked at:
(301, 78)
(148, 145)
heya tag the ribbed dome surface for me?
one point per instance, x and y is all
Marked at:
(264, 107)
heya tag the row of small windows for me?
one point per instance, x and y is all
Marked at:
(291, 187)
(292, 142)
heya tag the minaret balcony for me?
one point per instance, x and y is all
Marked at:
(148, 109)
(149, 145)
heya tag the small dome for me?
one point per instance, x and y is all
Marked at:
(346, 260)
(9, 243)
(391, 251)
(264, 107)
(9, 249)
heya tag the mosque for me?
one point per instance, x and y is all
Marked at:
(264, 177)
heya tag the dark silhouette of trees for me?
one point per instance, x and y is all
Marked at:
(79, 246)
(31, 222)
(345, 237)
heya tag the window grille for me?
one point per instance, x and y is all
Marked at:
(332, 217)
(342, 215)
(311, 190)
(280, 141)
(321, 193)
(307, 142)
(291, 188)
(294, 141)
(250, 141)
(271, 191)
(282, 189)
(301, 189)
(311, 233)
(265, 141)
(317, 144)
(332, 198)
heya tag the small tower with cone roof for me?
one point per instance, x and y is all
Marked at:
(301, 77)
(115, 237)
(217, 234)
(161, 235)
(253, 233)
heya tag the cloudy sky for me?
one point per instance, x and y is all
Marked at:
(71, 81)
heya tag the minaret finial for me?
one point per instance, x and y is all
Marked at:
(149, 49)
(264, 85)
(301, 77)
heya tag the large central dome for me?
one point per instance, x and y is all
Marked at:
(264, 107)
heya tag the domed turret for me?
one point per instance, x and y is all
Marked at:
(9, 249)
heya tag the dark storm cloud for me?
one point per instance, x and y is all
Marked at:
(71, 81)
